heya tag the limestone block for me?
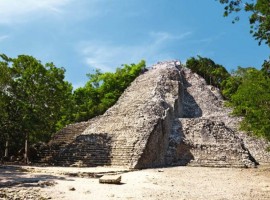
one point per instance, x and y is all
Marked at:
(111, 179)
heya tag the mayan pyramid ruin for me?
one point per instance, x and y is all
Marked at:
(168, 116)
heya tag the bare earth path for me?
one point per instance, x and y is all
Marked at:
(166, 183)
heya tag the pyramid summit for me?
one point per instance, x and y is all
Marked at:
(167, 116)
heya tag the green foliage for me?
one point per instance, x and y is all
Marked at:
(103, 90)
(249, 89)
(259, 18)
(33, 98)
(266, 67)
(231, 84)
(4, 82)
(213, 73)
(252, 100)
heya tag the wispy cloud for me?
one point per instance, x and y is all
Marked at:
(19, 10)
(106, 55)
(208, 40)
(165, 36)
(3, 37)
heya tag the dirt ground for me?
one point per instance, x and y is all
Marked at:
(188, 183)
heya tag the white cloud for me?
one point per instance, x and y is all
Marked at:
(165, 36)
(209, 40)
(3, 37)
(22, 10)
(107, 56)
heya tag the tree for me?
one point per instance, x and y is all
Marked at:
(4, 82)
(259, 18)
(252, 100)
(266, 67)
(213, 73)
(37, 98)
(232, 83)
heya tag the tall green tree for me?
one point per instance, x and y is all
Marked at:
(252, 101)
(5, 79)
(232, 83)
(37, 98)
(213, 73)
(266, 68)
(259, 16)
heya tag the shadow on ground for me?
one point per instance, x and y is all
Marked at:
(16, 175)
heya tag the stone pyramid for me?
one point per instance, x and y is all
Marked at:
(167, 116)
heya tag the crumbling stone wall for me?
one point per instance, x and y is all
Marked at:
(203, 109)
(203, 142)
(258, 147)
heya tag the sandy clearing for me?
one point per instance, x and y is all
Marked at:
(166, 183)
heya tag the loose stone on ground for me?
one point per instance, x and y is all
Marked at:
(111, 179)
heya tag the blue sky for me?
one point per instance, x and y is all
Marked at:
(86, 34)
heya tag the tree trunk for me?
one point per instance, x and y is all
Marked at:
(6, 148)
(26, 148)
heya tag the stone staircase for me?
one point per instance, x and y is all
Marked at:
(69, 148)
(59, 142)
(89, 150)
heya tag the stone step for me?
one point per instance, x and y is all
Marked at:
(68, 164)
(88, 151)
(85, 164)
(92, 162)
(84, 161)
(217, 165)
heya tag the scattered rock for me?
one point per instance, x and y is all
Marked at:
(71, 189)
(111, 179)
(46, 183)
(98, 175)
(72, 174)
(87, 192)
(21, 194)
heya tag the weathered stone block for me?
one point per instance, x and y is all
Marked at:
(111, 179)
